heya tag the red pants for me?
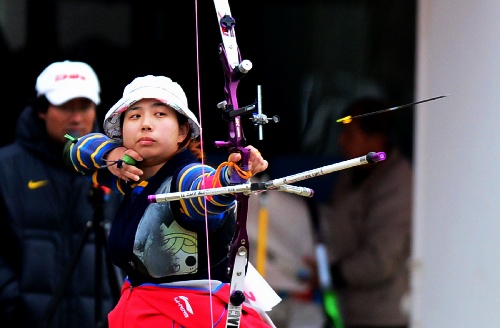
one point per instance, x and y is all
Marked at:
(176, 307)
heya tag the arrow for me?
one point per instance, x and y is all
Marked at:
(348, 119)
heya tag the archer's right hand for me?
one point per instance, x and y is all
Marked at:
(123, 170)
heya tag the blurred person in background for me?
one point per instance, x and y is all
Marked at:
(46, 207)
(368, 223)
(282, 247)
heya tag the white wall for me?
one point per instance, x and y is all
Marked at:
(456, 260)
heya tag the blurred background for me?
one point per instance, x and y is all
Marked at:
(311, 58)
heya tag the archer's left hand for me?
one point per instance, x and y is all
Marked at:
(256, 163)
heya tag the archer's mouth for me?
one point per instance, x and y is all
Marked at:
(146, 141)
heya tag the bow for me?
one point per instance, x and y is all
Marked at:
(234, 70)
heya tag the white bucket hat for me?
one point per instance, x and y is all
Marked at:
(157, 87)
(62, 81)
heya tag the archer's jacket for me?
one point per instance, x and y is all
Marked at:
(163, 242)
(45, 209)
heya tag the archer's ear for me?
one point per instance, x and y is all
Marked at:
(42, 115)
(184, 130)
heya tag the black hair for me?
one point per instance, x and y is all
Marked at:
(193, 145)
(40, 104)
(181, 118)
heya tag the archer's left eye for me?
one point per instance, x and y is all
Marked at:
(161, 114)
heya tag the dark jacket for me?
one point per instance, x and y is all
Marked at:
(163, 242)
(46, 209)
(368, 224)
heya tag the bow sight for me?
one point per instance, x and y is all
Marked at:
(258, 119)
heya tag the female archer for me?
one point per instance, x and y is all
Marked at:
(150, 146)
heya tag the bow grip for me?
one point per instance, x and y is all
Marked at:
(243, 164)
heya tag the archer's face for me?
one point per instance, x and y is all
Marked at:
(151, 128)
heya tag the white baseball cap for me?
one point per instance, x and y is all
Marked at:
(66, 80)
(160, 88)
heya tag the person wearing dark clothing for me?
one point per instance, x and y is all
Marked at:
(368, 223)
(45, 208)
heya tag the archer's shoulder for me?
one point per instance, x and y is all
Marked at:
(195, 169)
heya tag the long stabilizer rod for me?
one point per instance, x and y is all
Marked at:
(281, 184)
